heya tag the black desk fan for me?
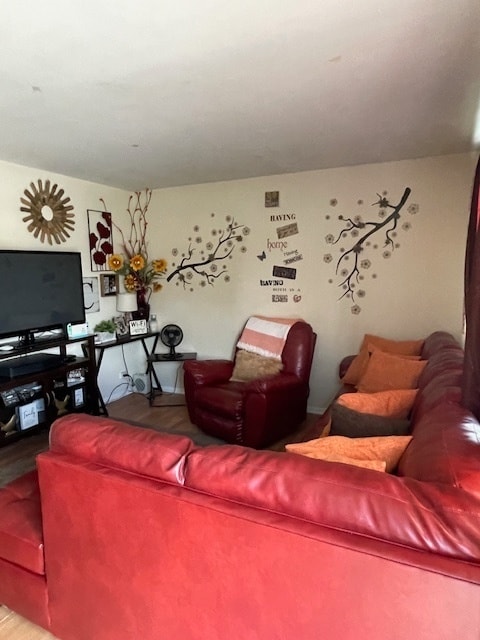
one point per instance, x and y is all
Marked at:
(171, 336)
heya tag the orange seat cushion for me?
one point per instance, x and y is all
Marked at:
(379, 452)
(392, 403)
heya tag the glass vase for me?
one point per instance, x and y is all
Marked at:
(143, 307)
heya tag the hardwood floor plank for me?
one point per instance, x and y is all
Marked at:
(14, 627)
(19, 457)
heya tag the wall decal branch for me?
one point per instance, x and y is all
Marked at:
(352, 262)
(205, 263)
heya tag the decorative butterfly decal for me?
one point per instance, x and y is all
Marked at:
(262, 256)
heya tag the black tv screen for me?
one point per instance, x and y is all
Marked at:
(40, 291)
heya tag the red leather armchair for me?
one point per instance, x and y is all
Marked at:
(255, 413)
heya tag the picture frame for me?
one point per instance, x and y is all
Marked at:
(121, 325)
(78, 398)
(100, 239)
(138, 327)
(108, 284)
(272, 198)
(90, 294)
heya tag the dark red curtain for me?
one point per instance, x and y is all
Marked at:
(471, 376)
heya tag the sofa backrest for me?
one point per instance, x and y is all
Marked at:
(333, 496)
(298, 351)
(120, 446)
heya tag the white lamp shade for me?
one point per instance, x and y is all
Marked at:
(126, 302)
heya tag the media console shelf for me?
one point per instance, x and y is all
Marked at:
(36, 387)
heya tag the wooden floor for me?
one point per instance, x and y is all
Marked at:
(14, 627)
(19, 457)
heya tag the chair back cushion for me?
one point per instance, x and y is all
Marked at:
(297, 354)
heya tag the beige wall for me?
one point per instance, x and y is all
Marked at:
(417, 290)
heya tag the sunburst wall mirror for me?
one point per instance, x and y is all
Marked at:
(49, 214)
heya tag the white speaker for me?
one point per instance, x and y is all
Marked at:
(141, 382)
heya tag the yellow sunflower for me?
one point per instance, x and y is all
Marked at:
(129, 283)
(115, 262)
(157, 286)
(159, 266)
(137, 262)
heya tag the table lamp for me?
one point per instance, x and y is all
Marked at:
(126, 304)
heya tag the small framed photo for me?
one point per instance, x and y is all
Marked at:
(29, 415)
(138, 327)
(108, 284)
(78, 398)
(121, 326)
(272, 198)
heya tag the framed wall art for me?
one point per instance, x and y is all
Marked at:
(90, 295)
(100, 239)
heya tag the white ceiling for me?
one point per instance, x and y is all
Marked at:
(137, 93)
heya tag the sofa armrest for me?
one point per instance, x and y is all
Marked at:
(344, 364)
(279, 382)
(205, 372)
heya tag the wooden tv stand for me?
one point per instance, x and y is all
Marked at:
(32, 400)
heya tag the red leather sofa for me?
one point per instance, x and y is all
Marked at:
(145, 535)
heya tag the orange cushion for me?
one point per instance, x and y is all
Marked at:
(386, 371)
(357, 367)
(386, 450)
(400, 347)
(359, 364)
(393, 403)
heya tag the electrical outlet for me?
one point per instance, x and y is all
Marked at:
(123, 374)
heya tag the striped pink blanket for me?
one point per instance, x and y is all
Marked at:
(266, 336)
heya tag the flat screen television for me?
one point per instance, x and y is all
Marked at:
(40, 291)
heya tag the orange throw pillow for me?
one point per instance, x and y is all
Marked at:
(394, 403)
(386, 450)
(386, 371)
(357, 367)
(359, 364)
(400, 347)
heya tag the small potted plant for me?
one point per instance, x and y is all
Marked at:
(105, 331)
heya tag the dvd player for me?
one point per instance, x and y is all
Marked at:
(33, 363)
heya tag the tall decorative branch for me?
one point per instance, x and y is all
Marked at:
(136, 243)
(140, 274)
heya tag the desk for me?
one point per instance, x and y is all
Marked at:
(155, 358)
(120, 341)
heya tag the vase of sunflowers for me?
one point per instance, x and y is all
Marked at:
(141, 275)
